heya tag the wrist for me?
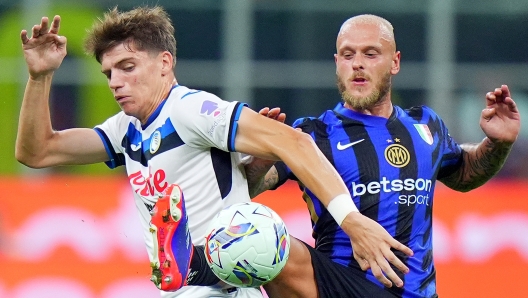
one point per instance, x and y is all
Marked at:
(41, 78)
(341, 206)
(496, 144)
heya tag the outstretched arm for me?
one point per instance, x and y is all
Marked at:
(268, 139)
(37, 144)
(501, 122)
(260, 173)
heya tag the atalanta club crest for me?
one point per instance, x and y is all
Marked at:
(155, 142)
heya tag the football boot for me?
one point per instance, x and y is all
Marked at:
(172, 248)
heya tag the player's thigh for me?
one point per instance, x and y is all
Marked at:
(297, 278)
(338, 281)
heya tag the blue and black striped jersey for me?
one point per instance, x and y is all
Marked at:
(390, 167)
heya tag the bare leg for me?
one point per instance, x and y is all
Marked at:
(297, 279)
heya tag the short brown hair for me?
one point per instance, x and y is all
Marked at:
(148, 28)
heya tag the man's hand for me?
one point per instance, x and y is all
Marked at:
(45, 50)
(500, 120)
(372, 248)
(274, 113)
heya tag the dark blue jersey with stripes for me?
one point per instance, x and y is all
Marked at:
(390, 167)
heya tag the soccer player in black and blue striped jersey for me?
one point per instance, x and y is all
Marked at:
(390, 158)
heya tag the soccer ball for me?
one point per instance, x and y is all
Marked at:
(247, 245)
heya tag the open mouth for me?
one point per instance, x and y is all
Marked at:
(359, 81)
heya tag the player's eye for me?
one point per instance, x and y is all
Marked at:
(348, 55)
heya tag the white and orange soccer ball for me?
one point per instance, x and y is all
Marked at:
(247, 245)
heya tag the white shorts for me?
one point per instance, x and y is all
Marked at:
(210, 292)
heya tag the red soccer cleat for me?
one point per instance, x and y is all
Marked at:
(173, 249)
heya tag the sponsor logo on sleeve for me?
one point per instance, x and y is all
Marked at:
(209, 108)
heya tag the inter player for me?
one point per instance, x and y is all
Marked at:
(173, 139)
(390, 159)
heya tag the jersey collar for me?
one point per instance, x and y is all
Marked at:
(341, 109)
(158, 109)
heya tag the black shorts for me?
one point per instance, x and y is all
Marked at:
(337, 281)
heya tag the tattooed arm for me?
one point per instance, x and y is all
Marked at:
(501, 122)
(480, 162)
(258, 179)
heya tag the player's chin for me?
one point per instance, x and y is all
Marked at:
(126, 107)
(129, 111)
(360, 93)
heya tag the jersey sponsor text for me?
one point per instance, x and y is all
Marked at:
(386, 185)
(148, 186)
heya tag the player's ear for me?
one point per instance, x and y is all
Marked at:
(167, 63)
(395, 64)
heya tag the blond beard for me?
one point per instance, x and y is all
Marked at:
(361, 103)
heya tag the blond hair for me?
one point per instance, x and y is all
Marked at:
(385, 27)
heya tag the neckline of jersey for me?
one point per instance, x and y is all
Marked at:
(341, 109)
(158, 109)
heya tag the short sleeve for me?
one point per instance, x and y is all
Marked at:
(204, 120)
(451, 151)
(112, 132)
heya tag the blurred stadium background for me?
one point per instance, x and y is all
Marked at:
(74, 232)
